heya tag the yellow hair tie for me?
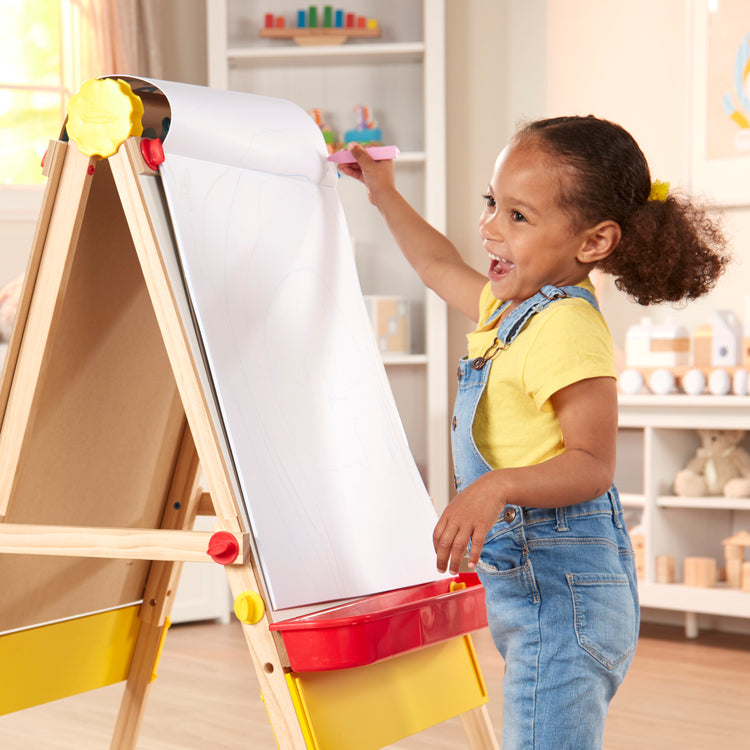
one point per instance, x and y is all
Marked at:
(659, 191)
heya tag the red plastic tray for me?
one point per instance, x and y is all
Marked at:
(383, 625)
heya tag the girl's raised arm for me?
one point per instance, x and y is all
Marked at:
(432, 255)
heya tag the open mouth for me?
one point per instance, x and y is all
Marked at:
(500, 267)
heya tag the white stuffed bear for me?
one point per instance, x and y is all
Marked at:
(9, 296)
(720, 467)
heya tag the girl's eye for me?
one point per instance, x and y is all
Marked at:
(517, 216)
(489, 200)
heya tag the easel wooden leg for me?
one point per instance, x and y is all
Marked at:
(266, 656)
(478, 729)
(126, 165)
(161, 584)
(132, 709)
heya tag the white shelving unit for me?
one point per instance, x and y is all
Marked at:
(401, 78)
(662, 432)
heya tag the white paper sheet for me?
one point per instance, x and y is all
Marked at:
(337, 506)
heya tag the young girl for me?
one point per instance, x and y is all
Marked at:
(535, 421)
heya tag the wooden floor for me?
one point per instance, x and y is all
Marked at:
(681, 695)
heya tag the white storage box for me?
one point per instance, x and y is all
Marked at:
(390, 319)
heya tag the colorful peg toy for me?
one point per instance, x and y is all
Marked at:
(316, 28)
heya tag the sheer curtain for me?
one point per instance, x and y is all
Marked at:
(122, 36)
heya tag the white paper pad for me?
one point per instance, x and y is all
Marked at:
(337, 506)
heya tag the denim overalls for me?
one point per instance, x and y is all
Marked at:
(560, 585)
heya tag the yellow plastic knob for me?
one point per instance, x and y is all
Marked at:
(249, 607)
(103, 114)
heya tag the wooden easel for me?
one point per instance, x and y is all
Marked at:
(108, 421)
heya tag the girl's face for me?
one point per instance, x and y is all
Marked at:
(531, 241)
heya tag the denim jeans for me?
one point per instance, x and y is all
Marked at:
(560, 591)
(562, 606)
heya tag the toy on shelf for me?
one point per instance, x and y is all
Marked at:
(390, 320)
(639, 551)
(314, 28)
(328, 135)
(367, 134)
(659, 357)
(700, 572)
(664, 569)
(738, 571)
(366, 131)
(657, 345)
(721, 466)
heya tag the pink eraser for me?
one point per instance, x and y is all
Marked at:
(378, 153)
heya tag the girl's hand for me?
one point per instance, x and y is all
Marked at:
(470, 515)
(376, 176)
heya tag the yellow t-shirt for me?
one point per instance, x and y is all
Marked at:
(568, 341)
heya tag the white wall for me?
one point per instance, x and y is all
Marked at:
(496, 76)
(630, 62)
(476, 124)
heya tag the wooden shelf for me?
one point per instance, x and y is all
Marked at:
(410, 157)
(719, 600)
(710, 502)
(686, 412)
(382, 52)
(632, 500)
(390, 360)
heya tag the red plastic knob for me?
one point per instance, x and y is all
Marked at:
(223, 548)
(152, 152)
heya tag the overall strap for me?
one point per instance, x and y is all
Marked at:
(517, 320)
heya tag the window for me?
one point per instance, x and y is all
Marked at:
(44, 56)
(31, 86)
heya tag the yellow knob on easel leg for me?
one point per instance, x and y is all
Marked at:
(249, 607)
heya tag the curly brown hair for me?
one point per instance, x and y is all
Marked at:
(671, 249)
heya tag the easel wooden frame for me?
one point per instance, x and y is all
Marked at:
(70, 176)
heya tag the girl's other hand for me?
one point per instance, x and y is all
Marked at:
(469, 516)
